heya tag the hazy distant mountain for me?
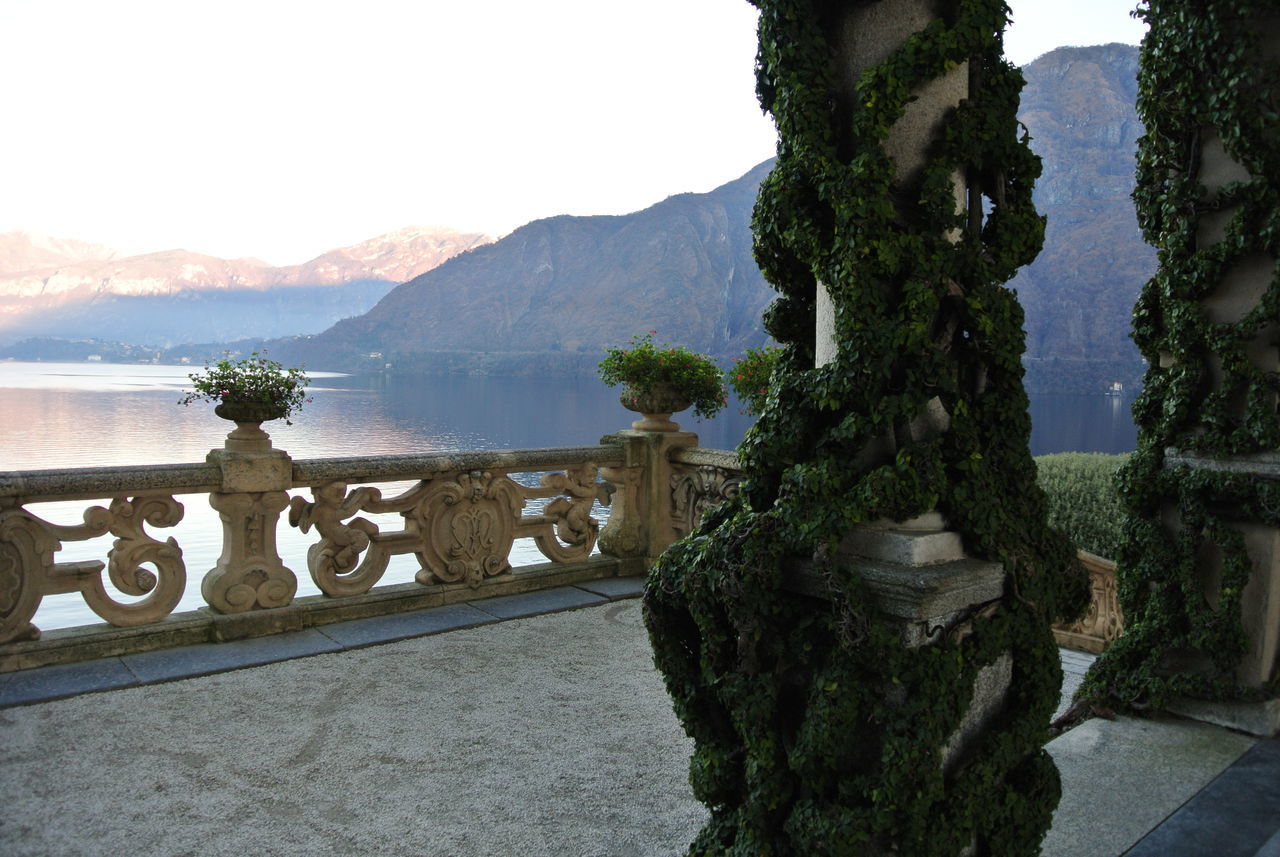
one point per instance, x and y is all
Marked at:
(551, 296)
(30, 251)
(71, 290)
(554, 294)
(1078, 295)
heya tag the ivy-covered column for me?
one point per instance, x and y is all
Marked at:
(859, 643)
(1200, 570)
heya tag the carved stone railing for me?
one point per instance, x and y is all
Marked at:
(1103, 622)
(456, 514)
(459, 517)
(701, 479)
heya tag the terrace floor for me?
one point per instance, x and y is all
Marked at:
(505, 730)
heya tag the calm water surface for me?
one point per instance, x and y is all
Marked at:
(55, 415)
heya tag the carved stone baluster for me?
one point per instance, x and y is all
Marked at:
(249, 574)
(1104, 621)
(26, 555)
(27, 570)
(569, 515)
(623, 533)
(334, 562)
(132, 548)
(641, 525)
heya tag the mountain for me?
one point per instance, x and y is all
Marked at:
(29, 251)
(552, 295)
(1078, 295)
(68, 289)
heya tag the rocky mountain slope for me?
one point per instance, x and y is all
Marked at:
(1078, 295)
(54, 287)
(568, 286)
(554, 294)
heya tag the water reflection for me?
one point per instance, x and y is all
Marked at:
(82, 415)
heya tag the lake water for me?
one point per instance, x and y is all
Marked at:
(56, 415)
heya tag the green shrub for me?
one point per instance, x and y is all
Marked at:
(1083, 501)
(749, 377)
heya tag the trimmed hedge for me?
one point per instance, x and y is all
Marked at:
(1084, 502)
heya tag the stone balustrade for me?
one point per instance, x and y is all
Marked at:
(458, 514)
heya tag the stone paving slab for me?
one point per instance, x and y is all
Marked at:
(401, 626)
(538, 602)
(55, 682)
(168, 664)
(1236, 815)
(615, 587)
(1121, 778)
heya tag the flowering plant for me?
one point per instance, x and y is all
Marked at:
(749, 378)
(645, 367)
(255, 380)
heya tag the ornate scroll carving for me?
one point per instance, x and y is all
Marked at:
(461, 526)
(566, 532)
(28, 546)
(623, 534)
(1103, 622)
(468, 524)
(133, 547)
(695, 491)
(334, 562)
(249, 574)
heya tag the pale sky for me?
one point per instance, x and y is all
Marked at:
(280, 129)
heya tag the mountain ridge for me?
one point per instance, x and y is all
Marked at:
(551, 296)
(656, 269)
(148, 297)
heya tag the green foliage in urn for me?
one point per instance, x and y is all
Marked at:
(1084, 502)
(749, 377)
(254, 388)
(647, 369)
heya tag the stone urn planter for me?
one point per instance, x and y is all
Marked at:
(248, 434)
(657, 381)
(655, 405)
(249, 412)
(249, 392)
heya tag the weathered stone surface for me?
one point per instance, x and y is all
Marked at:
(907, 547)
(1252, 718)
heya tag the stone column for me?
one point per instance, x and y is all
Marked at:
(1201, 563)
(1238, 294)
(249, 574)
(867, 34)
(858, 674)
(640, 523)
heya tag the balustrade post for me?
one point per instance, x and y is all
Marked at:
(641, 525)
(249, 574)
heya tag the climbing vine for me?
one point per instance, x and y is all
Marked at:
(1211, 388)
(817, 731)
